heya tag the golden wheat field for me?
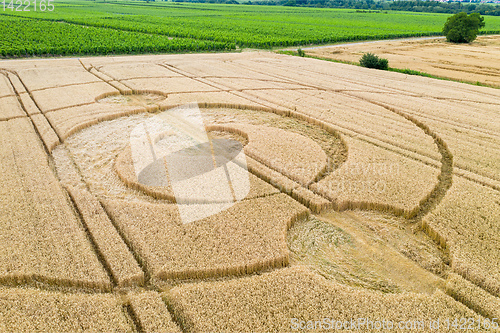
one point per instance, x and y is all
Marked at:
(245, 192)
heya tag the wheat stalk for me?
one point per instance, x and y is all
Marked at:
(42, 236)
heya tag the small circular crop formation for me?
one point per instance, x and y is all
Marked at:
(256, 214)
(136, 98)
(301, 152)
(223, 146)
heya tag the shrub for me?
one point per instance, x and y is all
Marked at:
(463, 28)
(301, 52)
(370, 60)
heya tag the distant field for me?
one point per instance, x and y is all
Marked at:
(477, 62)
(88, 27)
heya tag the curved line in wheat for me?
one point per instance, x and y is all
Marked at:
(426, 204)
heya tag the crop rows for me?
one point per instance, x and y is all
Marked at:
(10, 108)
(151, 312)
(215, 27)
(164, 247)
(363, 111)
(285, 152)
(357, 118)
(473, 296)
(473, 145)
(27, 37)
(245, 32)
(108, 243)
(124, 168)
(44, 243)
(375, 179)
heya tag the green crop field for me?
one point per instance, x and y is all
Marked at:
(91, 27)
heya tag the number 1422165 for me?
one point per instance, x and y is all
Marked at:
(28, 5)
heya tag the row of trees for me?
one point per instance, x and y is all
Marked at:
(414, 6)
(401, 5)
(445, 7)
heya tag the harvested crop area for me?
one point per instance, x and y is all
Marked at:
(475, 62)
(235, 192)
(368, 250)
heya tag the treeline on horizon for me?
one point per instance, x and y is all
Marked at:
(401, 5)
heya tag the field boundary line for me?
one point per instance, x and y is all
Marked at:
(63, 86)
(14, 117)
(120, 89)
(216, 85)
(16, 280)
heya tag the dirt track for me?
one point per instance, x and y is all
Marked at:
(475, 62)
